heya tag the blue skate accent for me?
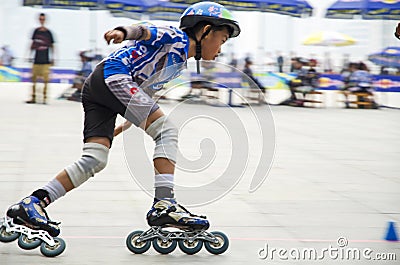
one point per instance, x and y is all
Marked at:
(167, 212)
(35, 216)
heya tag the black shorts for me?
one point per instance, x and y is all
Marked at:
(100, 105)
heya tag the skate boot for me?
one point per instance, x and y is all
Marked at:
(171, 226)
(167, 212)
(30, 213)
(28, 222)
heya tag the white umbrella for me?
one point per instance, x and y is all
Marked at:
(329, 38)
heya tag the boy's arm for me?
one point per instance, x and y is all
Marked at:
(122, 127)
(134, 32)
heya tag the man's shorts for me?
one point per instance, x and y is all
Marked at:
(41, 70)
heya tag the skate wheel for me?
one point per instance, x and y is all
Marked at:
(25, 243)
(217, 247)
(190, 248)
(52, 251)
(7, 236)
(137, 247)
(164, 246)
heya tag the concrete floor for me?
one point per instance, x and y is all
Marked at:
(335, 176)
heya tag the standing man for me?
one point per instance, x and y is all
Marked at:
(42, 46)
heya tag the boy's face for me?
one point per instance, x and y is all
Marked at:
(211, 45)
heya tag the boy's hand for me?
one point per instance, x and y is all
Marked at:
(116, 35)
(124, 126)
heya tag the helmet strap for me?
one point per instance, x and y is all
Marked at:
(197, 56)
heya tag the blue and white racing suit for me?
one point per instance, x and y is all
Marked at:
(125, 81)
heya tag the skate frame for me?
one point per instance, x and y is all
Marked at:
(165, 235)
(10, 226)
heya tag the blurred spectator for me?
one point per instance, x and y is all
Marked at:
(233, 62)
(202, 81)
(74, 93)
(292, 64)
(383, 71)
(360, 80)
(43, 47)
(298, 63)
(279, 62)
(305, 81)
(7, 56)
(247, 70)
(346, 73)
(291, 57)
(346, 61)
(327, 63)
(86, 61)
(313, 63)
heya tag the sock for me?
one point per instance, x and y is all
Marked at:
(164, 186)
(43, 196)
(164, 192)
(50, 192)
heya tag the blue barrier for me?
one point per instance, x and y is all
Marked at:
(381, 83)
(12, 74)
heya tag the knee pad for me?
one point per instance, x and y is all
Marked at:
(165, 136)
(93, 160)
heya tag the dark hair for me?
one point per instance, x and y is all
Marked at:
(199, 26)
(353, 65)
(362, 66)
(42, 15)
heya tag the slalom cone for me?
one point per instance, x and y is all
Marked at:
(391, 234)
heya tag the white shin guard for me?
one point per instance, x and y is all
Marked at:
(165, 136)
(94, 159)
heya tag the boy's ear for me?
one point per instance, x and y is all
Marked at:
(205, 28)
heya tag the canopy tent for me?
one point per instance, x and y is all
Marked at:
(154, 9)
(135, 9)
(295, 8)
(67, 4)
(388, 57)
(366, 9)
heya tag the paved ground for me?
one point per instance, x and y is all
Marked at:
(335, 174)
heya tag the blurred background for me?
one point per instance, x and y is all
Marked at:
(77, 29)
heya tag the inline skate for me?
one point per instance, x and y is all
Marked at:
(28, 222)
(172, 225)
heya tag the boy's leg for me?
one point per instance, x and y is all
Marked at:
(98, 133)
(141, 110)
(165, 136)
(63, 177)
(165, 210)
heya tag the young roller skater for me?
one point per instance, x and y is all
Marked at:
(120, 85)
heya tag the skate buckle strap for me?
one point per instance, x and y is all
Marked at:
(191, 214)
(166, 211)
(53, 222)
(48, 219)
